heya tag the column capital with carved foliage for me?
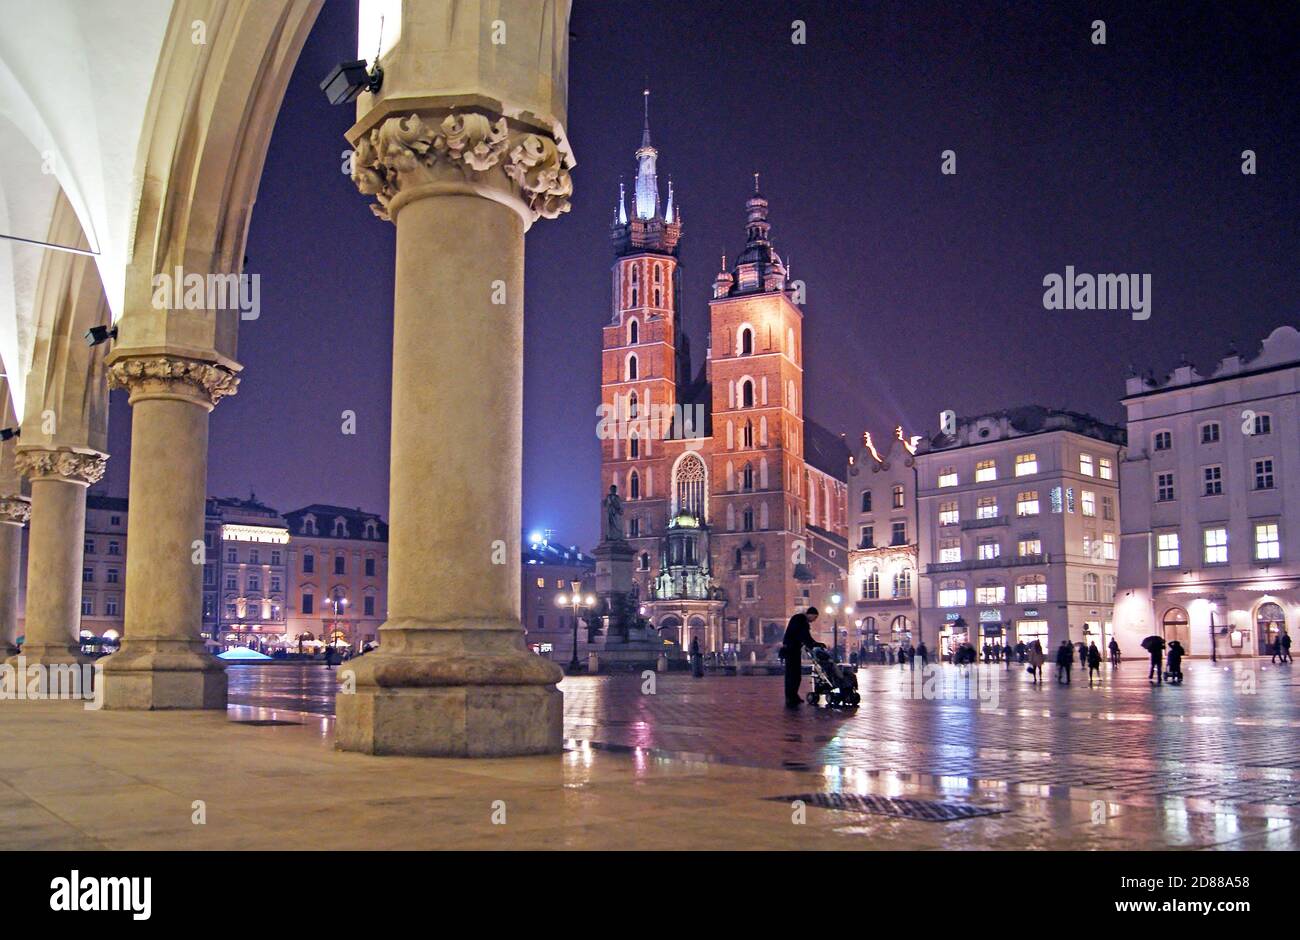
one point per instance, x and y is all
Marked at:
(168, 376)
(15, 510)
(84, 467)
(446, 151)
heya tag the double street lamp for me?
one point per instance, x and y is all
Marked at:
(575, 601)
(338, 604)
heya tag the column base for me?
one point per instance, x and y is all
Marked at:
(48, 654)
(150, 675)
(411, 701)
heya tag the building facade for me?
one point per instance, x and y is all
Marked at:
(338, 577)
(1019, 529)
(729, 490)
(883, 586)
(553, 573)
(1211, 488)
(244, 575)
(103, 573)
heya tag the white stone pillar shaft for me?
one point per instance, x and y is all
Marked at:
(164, 570)
(14, 511)
(163, 662)
(457, 416)
(55, 550)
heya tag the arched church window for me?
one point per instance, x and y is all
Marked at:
(746, 342)
(748, 518)
(634, 483)
(747, 393)
(747, 477)
(633, 445)
(749, 434)
(631, 368)
(633, 332)
(659, 297)
(688, 485)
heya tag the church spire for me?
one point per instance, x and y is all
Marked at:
(647, 184)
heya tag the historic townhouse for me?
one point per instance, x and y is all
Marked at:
(338, 576)
(244, 574)
(883, 555)
(1019, 529)
(1211, 483)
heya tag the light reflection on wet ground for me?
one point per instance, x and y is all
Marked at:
(1223, 744)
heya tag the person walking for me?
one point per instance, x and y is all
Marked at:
(1007, 653)
(798, 637)
(1286, 647)
(1034, 654)
(1156, 647)
(1021, 651)
(1114, 653)
(924, 653)
(1094, 664)
(1083, 655)
(1276, 649)
(697, 658)
(1064, 661)
(1176, 653)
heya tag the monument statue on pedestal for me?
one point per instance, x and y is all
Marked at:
(612, 531)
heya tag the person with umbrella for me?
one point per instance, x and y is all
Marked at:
(1155, 645)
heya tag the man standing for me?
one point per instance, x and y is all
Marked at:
(1156, 647)
(798, 636)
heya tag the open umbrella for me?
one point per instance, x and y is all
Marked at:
(1153, 643)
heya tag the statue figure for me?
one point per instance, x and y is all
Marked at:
(613, 506)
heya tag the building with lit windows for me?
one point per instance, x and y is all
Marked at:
(103, 572)
(734, 499)
(1211, 488)
(1019, 529)
(883, 588)
(338, 577)
(553, 574)
(245, 575)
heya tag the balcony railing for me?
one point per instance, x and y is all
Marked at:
(1002, 561)
(984, 523)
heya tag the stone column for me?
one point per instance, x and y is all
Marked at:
(163, 662)
(14, 513)
(55, 549)
(452, 675)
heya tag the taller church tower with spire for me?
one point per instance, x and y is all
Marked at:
(735, 502)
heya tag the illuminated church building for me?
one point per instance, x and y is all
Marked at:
(734, 500)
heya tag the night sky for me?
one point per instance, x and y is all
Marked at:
(924, 291)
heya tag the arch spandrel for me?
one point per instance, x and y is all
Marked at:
(211, 111)
(67, 391)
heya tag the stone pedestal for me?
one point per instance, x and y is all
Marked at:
(162, 663)
(14, 513)
(55, 550)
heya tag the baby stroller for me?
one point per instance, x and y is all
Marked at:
(838, 685)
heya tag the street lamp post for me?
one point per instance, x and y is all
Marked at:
(1214, 656)
(574, 601)
(335, 604)
(835, 626)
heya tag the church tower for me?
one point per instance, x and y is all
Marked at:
(757, 473)
(644, 359)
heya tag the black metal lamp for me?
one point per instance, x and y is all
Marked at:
(347, 80)
(100, 334)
